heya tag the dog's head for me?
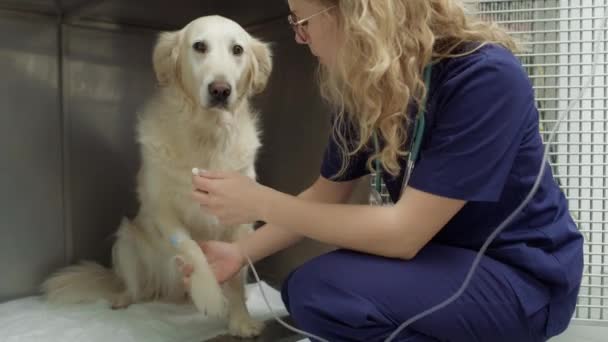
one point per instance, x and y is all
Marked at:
(214, 61)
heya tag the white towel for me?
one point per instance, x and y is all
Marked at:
(31, 320)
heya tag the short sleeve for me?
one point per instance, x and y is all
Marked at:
(479, 123)
(332, 159)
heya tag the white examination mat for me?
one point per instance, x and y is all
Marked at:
(31, 319)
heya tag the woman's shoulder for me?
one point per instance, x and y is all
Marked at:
(473, 53)
(487, 85)
(491, 64)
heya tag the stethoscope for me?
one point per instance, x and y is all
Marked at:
(414, 151)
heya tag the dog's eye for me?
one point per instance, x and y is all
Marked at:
(200, 47)
(237, 50)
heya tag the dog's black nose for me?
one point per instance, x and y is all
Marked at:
(219, 91)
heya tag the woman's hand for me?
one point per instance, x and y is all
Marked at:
(232, 197)
(225, 259)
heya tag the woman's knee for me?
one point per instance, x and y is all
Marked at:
(298, 295)
(322, 301)
(301, 284)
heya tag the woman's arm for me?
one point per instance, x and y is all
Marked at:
(398, 231)
(271, 238)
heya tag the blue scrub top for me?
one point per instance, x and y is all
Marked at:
(482, 144)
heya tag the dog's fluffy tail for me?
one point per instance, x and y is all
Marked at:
(85, 282)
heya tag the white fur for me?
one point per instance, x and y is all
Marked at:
(178, 129)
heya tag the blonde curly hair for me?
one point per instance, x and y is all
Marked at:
(378, 70)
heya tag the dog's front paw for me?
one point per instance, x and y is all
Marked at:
(245, 326)
(208, 297)
(214, 307)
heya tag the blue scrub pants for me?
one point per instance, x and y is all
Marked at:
(351, 296)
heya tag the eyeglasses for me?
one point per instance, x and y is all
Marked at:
(299, 25)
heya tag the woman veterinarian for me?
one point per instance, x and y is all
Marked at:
(405, 75)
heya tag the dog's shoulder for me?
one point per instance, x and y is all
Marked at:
(154, 127)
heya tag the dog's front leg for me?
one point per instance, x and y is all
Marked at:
(205, 291)
(240, 322)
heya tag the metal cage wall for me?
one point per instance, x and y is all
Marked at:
(75, 73)
(559, 39)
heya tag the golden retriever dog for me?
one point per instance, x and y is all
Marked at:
(200, 117)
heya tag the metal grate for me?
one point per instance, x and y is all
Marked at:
(558, 37)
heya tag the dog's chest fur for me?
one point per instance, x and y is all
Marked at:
(177, 138)
(172, 143)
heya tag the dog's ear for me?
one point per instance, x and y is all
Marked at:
(165, 57)
(261, 65)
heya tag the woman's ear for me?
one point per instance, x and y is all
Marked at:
(261, 65)
(165, 57)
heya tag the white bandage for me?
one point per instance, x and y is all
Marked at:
(177, 239)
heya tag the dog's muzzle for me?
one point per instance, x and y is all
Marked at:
(219, 92)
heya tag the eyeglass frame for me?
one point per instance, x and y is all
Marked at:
(298, 25)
